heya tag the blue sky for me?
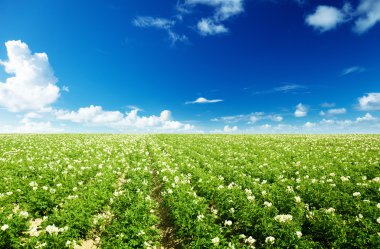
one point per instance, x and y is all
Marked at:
(190, 66)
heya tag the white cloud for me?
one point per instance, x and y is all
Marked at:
(160, 23)
(309, 125)
(326, 18)
(226, 129)
(301, 111)
(202, 100)
(208, 27)
(369, 102)
(224, 9)
(229, 129)
(276, 118)
(369, 12)
(66, 89)
(95, 115)
(249, 118)
(266, 126)
(327, 104)
(174, 37)
(254, 118)
(367, 117)
(91, 114)
(337, 111)
(33, 84)
(288, 88)
(153, 22)
(355, 69)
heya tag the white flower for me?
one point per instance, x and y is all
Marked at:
(68, 243)
(45, 187)
(267, 204)
(52, 229)
(297, 199)
(299, 234)
(200, 217)
(41, 245)
(378, 220)
(232, 210)
(227, 223)
(250, 240)
(250, 198)
(242, 236)
(24, 214)
(33, 184)
(269, 240)
(378, 205)
(330, 210)
(289, 189)
(344, 178)
(283, 217)
(4, 227)
(356, 194)
(215, 241)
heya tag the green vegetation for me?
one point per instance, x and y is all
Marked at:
(190, 191)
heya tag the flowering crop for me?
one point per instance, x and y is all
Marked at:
(190, 191)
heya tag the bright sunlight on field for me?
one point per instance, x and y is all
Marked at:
(189, 191)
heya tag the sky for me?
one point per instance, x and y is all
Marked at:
(190, 66)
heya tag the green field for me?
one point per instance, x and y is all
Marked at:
(189, 191)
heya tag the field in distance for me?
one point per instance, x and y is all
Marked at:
(189, 191)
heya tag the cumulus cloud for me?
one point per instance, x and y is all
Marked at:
(369, 12)
(208, 27)
(91, 114)
(369, 102)
(366, 117)
(365, 16)
(32, 86)
(326, 18)
(355, 69)
(202, 100)
(95, 115)
(301, 111)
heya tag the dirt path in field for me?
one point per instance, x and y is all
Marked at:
(168, 238)
(166, 226)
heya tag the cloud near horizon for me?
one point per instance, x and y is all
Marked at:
(95, 115)
(202, 100)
